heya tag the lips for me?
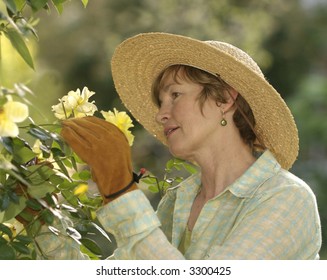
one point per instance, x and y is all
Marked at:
(169, 130)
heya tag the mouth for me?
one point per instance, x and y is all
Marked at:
(169, 130)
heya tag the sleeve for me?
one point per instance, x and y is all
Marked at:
(136, 227)
(58, 245)
(282, 225)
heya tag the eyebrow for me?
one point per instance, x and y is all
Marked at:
(167, 87)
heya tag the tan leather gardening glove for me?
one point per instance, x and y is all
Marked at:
(105, 149)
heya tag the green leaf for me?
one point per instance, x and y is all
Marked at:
(85, 175)
(169, 165)
(20, 247)
(41, 190)
(149, 180)
(6, 230)
(40, 133)
(3, 241)
(62, 166)
(190, 168)
(4, 202)
(20, 46)
(38, 174)
(38, 4)
(19, 4)
(85, 2)
(32, 203)
(13, 210)
(91, 245)
(47, 216)
(59, 5)
(153, 189)
(34, 228)
(102, 231)
(24, 239)
(11, 5)
(56, 180)
(23, 155)
(7, 252)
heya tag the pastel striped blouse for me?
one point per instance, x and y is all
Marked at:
(267, 213)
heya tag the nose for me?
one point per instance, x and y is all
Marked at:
(163, 114)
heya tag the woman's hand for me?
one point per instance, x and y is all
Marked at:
(105, 149)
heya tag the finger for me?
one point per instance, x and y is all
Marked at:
(101, 126)
(80, 145)
(82, 130)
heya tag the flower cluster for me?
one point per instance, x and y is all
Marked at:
(76, 104)
(42, 181)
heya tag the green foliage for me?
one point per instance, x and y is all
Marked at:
(17, 26)
(37, 186)
(170, 178)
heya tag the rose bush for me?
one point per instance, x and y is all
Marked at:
(42, 181)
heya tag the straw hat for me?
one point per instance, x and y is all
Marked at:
(138, 61)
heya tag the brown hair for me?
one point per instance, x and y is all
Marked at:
(213, 87)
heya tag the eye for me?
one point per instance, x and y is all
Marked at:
(175, 94)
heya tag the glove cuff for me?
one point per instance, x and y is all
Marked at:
(136, 178)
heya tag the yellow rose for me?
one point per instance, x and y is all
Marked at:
(76, 104)
(12, 112)
(122, 121)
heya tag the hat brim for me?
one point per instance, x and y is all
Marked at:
(138, 61)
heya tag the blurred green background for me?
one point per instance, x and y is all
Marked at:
(287, 38)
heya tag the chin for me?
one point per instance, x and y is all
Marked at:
(178, 153)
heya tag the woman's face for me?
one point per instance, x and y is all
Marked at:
(187, 129)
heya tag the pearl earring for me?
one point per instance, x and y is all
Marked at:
(223, 121)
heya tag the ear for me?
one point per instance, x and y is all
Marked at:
(231, 95)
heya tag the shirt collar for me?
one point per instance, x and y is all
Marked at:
(259, 172)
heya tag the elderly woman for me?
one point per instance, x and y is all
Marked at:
(210, 103)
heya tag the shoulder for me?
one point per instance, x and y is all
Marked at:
(285, 181)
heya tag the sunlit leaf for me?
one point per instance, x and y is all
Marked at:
(23, 155)
(85, 2)
(59, 5)
(149, 180)
(153, 189)
(190, 168)
(19, 44)
(19, 4)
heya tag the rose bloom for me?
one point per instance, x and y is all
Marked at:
(122, 121)
(76, 104)
(12, 112)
